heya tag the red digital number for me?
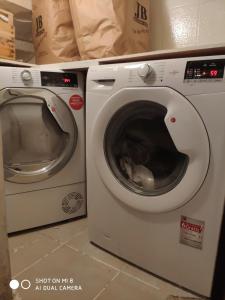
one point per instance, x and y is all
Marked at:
(67, 80)
(213, 73)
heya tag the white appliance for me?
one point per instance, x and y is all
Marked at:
(42, 120)
(155, 165)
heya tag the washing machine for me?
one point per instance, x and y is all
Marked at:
(42, 124)
(155, 165)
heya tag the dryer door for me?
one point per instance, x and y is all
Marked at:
(39, 134)
(151, 148)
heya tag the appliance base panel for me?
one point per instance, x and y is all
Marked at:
(38, 208)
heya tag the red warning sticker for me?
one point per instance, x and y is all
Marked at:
(191, 232)
(76, 102)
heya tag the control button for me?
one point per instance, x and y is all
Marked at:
(26, 75)
(144, 71)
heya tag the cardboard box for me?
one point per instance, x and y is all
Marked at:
(6, 17)
(7, 34)
(7, 28)
(8, 58)
(7, 43)
(7, 53)
(7, 31)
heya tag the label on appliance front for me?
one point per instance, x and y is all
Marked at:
(191, 232)
(76, 102)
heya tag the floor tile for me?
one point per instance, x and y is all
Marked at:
(66, 231)
(19, 240)
(64, 251)
(66, 263)
(27, 248)
(125, 287)
(141, 275)
(163, 286)
(81, 243)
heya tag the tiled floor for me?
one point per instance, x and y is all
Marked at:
(61, 257)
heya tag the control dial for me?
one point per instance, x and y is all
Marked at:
(144, 71)
(26, 75)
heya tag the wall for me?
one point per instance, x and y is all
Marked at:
(184, 23)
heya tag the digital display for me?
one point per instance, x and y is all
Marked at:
(58, 79)
(66, 80)
(205, 69)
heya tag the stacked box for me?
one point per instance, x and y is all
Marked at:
(7, 35)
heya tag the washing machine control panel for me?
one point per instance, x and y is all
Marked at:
(59, 79)
(144, 71)
(26, 75)
(205, 69)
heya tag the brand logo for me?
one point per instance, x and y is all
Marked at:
(39, 26)
(141, 15)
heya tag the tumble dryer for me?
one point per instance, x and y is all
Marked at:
(155, 165)
(42, 123)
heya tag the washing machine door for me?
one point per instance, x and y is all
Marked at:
(151, 148)
(39, 134)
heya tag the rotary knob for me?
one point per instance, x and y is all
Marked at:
(26, 75)
(144, 71)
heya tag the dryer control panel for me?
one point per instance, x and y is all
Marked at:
(59, 79)
(205, 69)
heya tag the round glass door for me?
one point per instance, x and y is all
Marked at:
(140, 150)
(150, 148)
(36, 141)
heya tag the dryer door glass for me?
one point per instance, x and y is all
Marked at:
(140, 150)
(34, 144)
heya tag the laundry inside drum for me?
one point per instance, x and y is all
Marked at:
(140, 151)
